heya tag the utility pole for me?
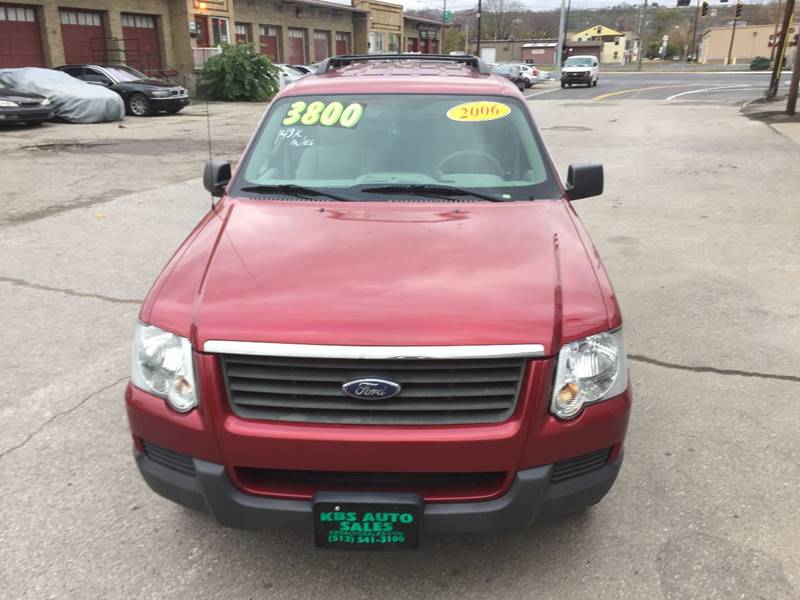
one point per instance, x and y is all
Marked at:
(560, 46)
(466, 40)
(733, 35)
(478, 47)
(791, 102)
(639, 34)
(693, 51)
(781, 51)
(777, 24)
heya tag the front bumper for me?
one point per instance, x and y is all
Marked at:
(170, 102)
(26, 113)
(531, 497)
(576, 77)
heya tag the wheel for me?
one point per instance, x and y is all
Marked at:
(139, 105)
(594, 83)
(563, 85)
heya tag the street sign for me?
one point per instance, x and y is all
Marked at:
(447, 16)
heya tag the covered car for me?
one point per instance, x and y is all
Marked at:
(72, 99)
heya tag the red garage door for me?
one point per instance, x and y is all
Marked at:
(342, 43)
(297, 46)
(268, 40)
(84, 36)
(142, 50)
(20, 41)
(322, 45)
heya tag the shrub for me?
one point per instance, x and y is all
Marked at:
(240, 73)
(760, 63)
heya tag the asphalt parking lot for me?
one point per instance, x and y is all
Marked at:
(698, 228)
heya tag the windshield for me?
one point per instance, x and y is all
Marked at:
(350, 143)
(125, 73)
(578, 62)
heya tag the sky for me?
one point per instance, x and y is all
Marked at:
(462, 4)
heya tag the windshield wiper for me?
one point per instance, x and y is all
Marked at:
(298, 191)
(431, 190)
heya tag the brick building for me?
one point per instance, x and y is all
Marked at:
(180, 35)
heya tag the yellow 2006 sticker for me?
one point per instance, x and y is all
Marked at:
(327, 115)
(478, 111)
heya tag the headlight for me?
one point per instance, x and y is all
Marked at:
(8, 104)
(589, 370)
(46, 102)
(160, 93)
(162, 365)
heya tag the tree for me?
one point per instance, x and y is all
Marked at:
(500, 19)
(240, 72)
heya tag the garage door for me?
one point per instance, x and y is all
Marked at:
(268, 40)
(297, 46)
(20, 41)
(142, 50)
(84, 36)
(322, 45)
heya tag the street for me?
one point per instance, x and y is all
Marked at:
(735, 86)
(698, 228)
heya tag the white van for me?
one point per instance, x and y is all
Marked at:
(584, 70)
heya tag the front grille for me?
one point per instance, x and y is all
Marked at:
(580, 465)
(434, 391)
(431, 486)
(168, 458)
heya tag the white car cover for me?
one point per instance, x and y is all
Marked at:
(73, 100)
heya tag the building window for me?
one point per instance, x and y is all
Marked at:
(18, 13)
(394, 43)
(616, 54)
(378, 42)
(138, 21)
(71, 17)
(219, 31)
(243, 33)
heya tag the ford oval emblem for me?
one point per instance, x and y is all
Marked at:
(371, 389)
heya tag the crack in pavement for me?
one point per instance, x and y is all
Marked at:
(735, 372)
(83, 401)
(67, 291)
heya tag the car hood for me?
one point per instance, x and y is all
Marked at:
(154, 83)
(14, 94)
(382, 274)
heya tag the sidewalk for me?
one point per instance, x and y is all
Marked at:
(772, 113)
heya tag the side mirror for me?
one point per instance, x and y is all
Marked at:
(216, 176)
(584, 180)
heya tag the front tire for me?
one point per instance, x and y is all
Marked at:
(139, 105)
(563, 85)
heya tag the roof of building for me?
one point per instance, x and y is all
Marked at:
(541, 44)
(771, 28)
(331, 5)
(409, 75)
(591, 31)
(424, 20)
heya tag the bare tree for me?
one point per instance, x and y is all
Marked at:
(500, 18)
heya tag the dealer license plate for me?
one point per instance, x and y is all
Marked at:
(356, 521)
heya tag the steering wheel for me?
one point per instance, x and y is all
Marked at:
(484, 156)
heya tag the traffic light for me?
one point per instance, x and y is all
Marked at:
(738, 9)
(704, 10)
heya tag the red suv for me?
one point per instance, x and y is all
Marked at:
(391, 322)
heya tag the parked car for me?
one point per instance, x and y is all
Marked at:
(306, 69)
(584, 70)
(72, 100)
(530, 74)
(513, 73)
(142, 95)
(23, 107)
(391, 323)
(287, 74)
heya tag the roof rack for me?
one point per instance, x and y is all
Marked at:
(334, 62)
